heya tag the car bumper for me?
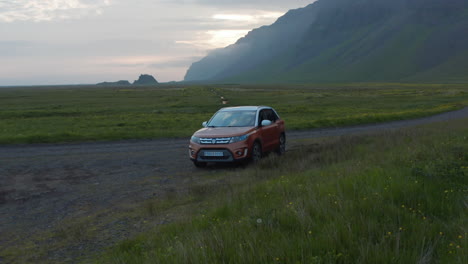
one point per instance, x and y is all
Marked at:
(218, 153)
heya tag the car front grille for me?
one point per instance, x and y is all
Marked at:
(214, 141)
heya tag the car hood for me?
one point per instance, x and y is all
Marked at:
(217, 132)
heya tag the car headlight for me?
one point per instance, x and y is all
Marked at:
(239, 138)
(195, 139)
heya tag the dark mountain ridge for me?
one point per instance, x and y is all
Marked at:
(144, 79)
(350, 40)
(118, 83)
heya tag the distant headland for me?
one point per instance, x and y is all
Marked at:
(144, 79)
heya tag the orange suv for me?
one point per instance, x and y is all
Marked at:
(238, 133)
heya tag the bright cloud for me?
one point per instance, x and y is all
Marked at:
(222, 38)
(213, 39)
(48, 10)
(237, 26)
(256, 18)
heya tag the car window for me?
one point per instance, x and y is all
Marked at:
(233, 119)
(267, 114)
(272, 116)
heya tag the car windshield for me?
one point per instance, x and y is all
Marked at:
(233, 119)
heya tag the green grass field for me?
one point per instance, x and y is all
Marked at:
(393, 197)
(91, 113)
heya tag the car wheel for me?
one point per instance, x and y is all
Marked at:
(282, 145)
(199, 164)
(256, 152)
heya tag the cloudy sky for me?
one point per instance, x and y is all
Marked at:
(89, 41)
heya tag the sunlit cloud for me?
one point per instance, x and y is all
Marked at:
(213, 39)
(48, 10)
(235, 25)
(255, 18)
(280, 5)
(222, 38)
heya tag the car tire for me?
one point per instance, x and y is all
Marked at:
(282, 145)
(199, 164)
(256, 152)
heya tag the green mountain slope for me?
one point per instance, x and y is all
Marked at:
(350, 40)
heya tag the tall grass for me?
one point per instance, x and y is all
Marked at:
(395, 197)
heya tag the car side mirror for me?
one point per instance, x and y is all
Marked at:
(205, 124)
(266, 123)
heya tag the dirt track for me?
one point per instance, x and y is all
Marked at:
(45, 183)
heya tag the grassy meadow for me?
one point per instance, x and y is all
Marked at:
(93, 113)
(392, 197)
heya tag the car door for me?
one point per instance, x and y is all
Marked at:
(270, 134)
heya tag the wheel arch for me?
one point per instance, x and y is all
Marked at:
(259, 141)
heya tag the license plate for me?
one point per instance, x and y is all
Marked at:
(213, 154)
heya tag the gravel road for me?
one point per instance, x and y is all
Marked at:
(42, 184)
